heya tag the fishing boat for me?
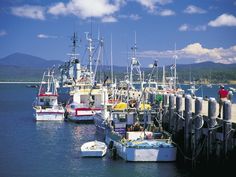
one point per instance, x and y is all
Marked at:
(46, 104)
(134, 132)
(87, 95)
(93, 149)
(86, 102)
(135, 137)
(69, 73)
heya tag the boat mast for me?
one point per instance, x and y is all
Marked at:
(99, 58)
(90, 49)
(163, 76)
(111, 62)
(135, 63)
(175, 75)
(48, 83)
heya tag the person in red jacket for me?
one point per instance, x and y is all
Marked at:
(223, 94)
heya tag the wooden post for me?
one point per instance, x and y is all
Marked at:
(165, 108)
(198, 123)
(171, 112)
(211, 123)
(178, 111)
(227, 126)
(198, 120)
(187, 126)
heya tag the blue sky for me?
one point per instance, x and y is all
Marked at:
(201, 30)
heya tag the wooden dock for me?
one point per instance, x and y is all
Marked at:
(201, 137)
(205, 109)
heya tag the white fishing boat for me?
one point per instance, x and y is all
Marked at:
(86, 103)
(93, 149)
(46, 105)
(87, 96)
(135, 138)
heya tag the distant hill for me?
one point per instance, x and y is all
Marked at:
(24, 67)
(207, 72)
(25, 60)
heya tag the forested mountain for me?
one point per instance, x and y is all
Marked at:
(23, 67)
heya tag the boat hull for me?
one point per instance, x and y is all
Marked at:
(93, 149)
(150, 155)
(82, 114)
(139, 154)
(49, 116)
(79, 119)
(100, 125)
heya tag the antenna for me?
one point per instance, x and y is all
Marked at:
(175, 58)
(90, 49)
(91, 26)
(111, 61)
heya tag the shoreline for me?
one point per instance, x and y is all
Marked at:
(19, 82)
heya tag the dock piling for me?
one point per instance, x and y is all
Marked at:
(187, 126)
(171, 112)
(227, 126)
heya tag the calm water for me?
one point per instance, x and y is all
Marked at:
(209, 92)
(46, 149)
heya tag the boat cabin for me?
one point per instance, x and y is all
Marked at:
(131, 121)
(47, 100)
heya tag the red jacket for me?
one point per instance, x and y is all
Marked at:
(223, 93)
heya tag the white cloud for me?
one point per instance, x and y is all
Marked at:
(28, 11)
(223, 20)
(58, 9)
(200, 28)
(109, 19)
(191, 9)
(151, 5)
(195, 49)
(88, 8)
(163, 2)
(3, 33)
(45, 36)
(134, 17)
(196, 52)
(166, 12)
(184, 27)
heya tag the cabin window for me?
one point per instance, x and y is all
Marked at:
(122, 118)
(47, 102)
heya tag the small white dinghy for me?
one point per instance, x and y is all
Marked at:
(93, 149)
